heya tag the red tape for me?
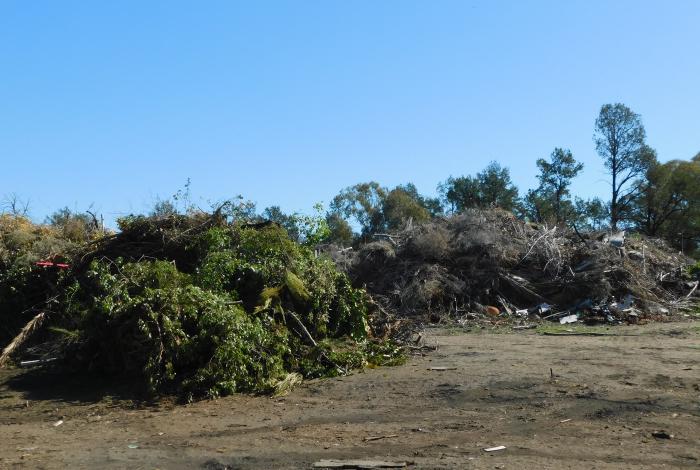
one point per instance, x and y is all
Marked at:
(51, 263)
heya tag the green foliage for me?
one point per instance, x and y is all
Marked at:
(460, 193)
(339, 229)
(238, 209)
(75, 227)
(211, 311)
(496, 187)
(268, 251)
(404, 203)
(349, 307)
(275, 214)
(347, 355)
(178, 203)
(164, 208)
(364, 203)
(313, 229)
(377, 209)
(491, 187)
(590, 214)
(551, 201)
(620, 142)
(219, 271)
(146, 319)
(694, 270)
(668, 203)
(309, 230)
(23, 285)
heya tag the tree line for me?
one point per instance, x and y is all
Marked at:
(657, 199)
(647, 196)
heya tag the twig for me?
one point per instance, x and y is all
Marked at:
(547, 232)
(585, 242)
(376, 438)
(37, 362)
(522, 287)
(304, 332)
(29, 329)
(421, 348)
(310, 339)
(555, 315)
(552, 333)
(394, 239)
(692, 290)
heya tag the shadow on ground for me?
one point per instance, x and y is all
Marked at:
(56, 385)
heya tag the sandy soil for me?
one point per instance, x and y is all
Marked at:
(606, 397)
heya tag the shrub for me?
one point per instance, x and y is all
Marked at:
(694, 270)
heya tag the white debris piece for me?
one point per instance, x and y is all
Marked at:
(568, 319)
(494, 449)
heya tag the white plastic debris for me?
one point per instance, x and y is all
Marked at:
(568, 319)
(494, 449)
(36, 362)
(616, 239)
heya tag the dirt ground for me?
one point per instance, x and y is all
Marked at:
(597, 408)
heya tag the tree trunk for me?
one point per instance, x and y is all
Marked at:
(613, 201)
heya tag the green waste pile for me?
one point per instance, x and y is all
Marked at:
(22, 284)
(193, 305)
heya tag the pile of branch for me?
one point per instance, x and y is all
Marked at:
(486, 261)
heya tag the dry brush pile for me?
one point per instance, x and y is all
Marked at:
(492, 262)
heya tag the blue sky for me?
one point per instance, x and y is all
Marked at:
(118, 103)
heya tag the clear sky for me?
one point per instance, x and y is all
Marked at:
(118, 103)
